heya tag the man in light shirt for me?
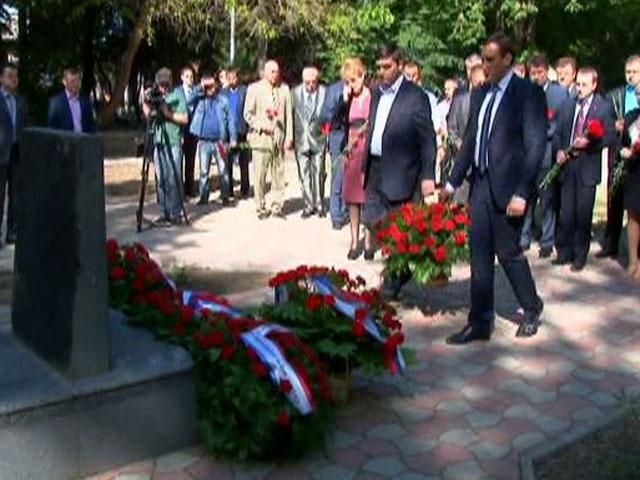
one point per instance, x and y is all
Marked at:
(70, 110)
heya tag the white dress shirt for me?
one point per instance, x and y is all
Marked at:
(388, 95)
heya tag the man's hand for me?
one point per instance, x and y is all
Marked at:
(427, 187)
(561, 157)
(626, 153)
(444, 195)
(619, 125)
(581, 143)
(517, 207)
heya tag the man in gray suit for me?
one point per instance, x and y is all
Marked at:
(13, 117)
(307, 100)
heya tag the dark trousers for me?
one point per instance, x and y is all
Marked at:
(573, 236)
(189, 148)
(493, 234)
(242, 157)
(548, 214)
(337, 207)
(615, 210)
(8, 177)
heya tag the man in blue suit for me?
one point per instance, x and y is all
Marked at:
(236, 94)
(504, 144)
(69, 110)
(555, 95)
(13, 118)
(332, 101)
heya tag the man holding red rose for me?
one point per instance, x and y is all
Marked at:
(585, 127)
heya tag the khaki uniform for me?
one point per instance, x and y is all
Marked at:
(268, 148)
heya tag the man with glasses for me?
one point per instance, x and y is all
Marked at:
(400, 146)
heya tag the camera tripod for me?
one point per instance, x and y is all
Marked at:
(153, 122)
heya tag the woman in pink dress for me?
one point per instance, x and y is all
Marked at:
(357, 98)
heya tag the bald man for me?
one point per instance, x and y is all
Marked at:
(308, 98)
(269, 116)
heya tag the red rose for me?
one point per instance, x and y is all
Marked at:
(414, 249)
(460, 238)
(283, 419)
(129, 255)
(360, 315)
(440, 254)
(406, 211)
(636, 148)
(437, 209)
(550, 114)
(429, 242)
(112, 250)
(259, 370)
(595, 129)
(420, 225)
(139, 285)
(436, 225)
(314, 302)
(449, 226)
(329, 300)
(385, 250)
(325, 129)
(285, 386)
(178, 330)
(252, 354)
(460, 219)
(117, 274)
(227, 352)
(186, 315)
(358, 329)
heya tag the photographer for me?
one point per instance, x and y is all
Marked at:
(213, 126)
(169, 112)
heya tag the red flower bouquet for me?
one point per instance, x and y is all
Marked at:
(425, 240)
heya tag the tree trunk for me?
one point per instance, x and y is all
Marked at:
(88, 51)
(124, 68)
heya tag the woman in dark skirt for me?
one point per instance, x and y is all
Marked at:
(630, 154)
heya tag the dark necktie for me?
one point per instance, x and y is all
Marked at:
(483, 151)
(579, 127)
(308, 106)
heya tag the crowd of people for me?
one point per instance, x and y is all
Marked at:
(387, 140)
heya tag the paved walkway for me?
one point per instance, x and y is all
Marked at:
(459, 413)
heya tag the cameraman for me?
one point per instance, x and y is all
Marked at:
(213, 125)
(170, 113)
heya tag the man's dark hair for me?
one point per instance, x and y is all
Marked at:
(7, 65)
(392, 51)
(504, 43)
(187, 67)
(567, 61)
(70, 70)
(538, 60)
(231, 68)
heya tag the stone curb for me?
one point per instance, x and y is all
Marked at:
(564, 441)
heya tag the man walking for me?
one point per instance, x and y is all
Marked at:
(69, 110)
(307, 102)
(400, 146)
(13, 118)
(268, 114)
(504, 145)
(555, 95)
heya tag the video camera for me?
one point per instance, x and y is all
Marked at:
(154, 96)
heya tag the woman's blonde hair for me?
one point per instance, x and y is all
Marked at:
(352, 66)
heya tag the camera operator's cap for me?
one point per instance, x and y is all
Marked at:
(163, 76)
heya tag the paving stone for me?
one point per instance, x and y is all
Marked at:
(453, 383)
(479, 419)
(174, 462)
(389, 431)
(474, 392)
(388, 466)
(250, 471)
(632, 357)
(588, 375)
(549, 424)
(448, 361)
(454, 407)
(411, 445)
(489, 450)
(603, 399)
(133, 476)
(411, 476)
(459, 436)
(561, 366)
(507, 362)
(587, 414)
(333, 472)
(411, 413)
(525, 441)
(576, 388)
(471, 369)
(207, 468)
(533, 394)
(521, 410)
(339, 439)
(464, 471)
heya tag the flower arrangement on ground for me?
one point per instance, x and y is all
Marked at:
(261, 393)
(347, 324)
(425, 239)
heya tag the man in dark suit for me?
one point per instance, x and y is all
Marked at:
(69, 110)
(187, 93)
(13, 118)
(236, 94)
(566, 69)
(400, 146)
(623, 100)
(555, 95)
(504, 145)
(582, 171)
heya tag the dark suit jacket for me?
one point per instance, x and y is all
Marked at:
(331, 112)
(589, 160)
(617, 98)
(6, 126)
(241, 124)
(517, 141)
(408, 142)
(555, 95)
(59, 116)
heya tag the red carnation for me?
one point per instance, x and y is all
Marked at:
(259, 369)
(285, 386)
(325, 129)
(186, 315)
(358, 329)
(283, 419)
(460, 219)
(429, 242)
(361, 315)
(595, 129)
(139, 285)
(329, 300)
(550, 114)
(129, 255)
(437, 209)
(117, 274)
(420, 225)
(436, 224)
(449, 226)
(227, 352)
(414, 249)
(112, 250)
(314, 302)
(460, 238)
(440, 254)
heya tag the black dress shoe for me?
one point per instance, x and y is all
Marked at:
(322, 213)
(307, 213)
(560, 261)
(606, 252)
(369, 253)
(279, 214)
(202, 201)
(577, 266)
(263, 214)
(529, 325)
(469, 334)
(545, 252)
(353, 254)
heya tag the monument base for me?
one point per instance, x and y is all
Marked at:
(52, 427)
